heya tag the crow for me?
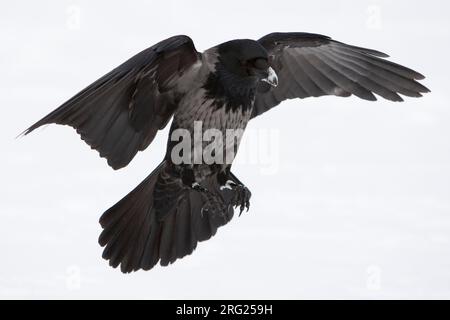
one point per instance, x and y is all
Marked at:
(187, 197)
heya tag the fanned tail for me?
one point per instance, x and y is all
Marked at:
(137, 235)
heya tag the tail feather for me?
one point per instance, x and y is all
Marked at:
(136, 237)
(185, 241)
(150, 256)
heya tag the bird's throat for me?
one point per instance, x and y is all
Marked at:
(230, 91)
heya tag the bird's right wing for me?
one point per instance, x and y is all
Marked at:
(313, 65)
(120, 113)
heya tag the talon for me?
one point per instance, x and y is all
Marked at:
(196, 186)
(202, 211)
(241, 197)
(241, 208)
(228, 185)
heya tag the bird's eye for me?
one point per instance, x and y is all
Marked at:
(260, 63)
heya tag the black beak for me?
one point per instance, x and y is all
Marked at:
(271, 78)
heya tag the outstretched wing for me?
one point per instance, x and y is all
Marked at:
(312, 65)
(120, 113)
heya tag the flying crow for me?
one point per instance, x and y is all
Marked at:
(184, 201)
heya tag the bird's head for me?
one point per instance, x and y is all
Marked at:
(247, 60)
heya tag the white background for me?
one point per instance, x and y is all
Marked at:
(356, 206)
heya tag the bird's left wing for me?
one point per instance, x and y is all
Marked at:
(120, 113)
(312, 65)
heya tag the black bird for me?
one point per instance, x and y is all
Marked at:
(180, 204)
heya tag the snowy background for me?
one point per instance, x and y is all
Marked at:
(351, 199)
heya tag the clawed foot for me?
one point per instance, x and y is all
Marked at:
(214, 203)
(241, 197)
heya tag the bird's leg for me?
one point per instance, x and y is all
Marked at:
(213, 202)
(241, 194)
